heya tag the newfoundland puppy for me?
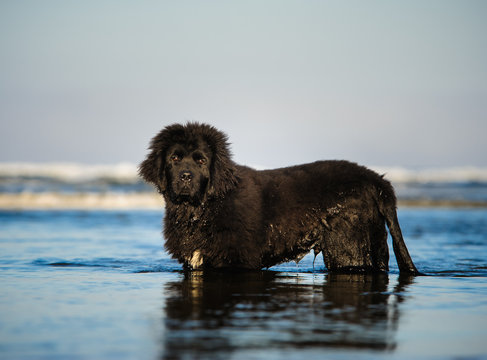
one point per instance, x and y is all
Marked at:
(223, 215)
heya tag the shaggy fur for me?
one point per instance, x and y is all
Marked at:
(223, 215)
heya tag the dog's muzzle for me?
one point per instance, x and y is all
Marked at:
(186, 176)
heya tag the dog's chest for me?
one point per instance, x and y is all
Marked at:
(186, 229)
(188, 226)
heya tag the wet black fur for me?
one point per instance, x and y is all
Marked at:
(237, 217)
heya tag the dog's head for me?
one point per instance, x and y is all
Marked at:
(189, 163)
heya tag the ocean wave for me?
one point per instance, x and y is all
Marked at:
(127, 173)
(130, 265)
(458, 175)
(70, 178)
(81, 186)
(71, 172)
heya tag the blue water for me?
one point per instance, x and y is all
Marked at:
(98, 285)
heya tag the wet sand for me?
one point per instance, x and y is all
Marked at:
(110, 200)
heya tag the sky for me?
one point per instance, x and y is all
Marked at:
(382, 83)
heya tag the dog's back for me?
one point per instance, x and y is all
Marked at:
(335, 207)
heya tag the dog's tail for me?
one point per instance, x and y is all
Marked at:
(388, 210)
(404, 261)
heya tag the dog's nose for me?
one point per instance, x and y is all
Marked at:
(185, 176)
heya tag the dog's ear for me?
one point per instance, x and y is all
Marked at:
(223, 176)
(222, 171)
(152, 168)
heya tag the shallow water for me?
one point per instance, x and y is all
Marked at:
(97, 285)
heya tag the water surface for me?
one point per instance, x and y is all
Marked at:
(98, 285)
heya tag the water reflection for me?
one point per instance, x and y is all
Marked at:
(212, 315)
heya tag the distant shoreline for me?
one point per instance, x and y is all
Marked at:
(87, 201)
(440, 203)
(153, 201)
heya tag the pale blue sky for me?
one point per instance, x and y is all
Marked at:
(378, 82)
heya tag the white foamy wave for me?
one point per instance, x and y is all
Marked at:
(465, 174)
(71, 172)
(397, 174)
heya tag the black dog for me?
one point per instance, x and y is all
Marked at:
(223, 215)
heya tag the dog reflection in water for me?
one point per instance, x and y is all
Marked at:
(222, 313)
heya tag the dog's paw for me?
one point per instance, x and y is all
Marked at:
(196, 261)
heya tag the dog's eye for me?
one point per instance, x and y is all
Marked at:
(175, 158)
(201, 161)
